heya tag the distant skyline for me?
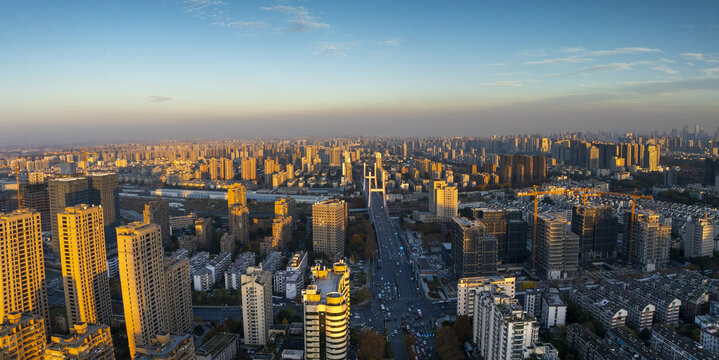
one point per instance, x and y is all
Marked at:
(107, 71)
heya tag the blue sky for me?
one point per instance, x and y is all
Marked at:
(208, 68)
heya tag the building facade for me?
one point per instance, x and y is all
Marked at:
(326, 305)
(474, 248)
(142, 277)
(22, 269)
(85, 341)
(501, 329)
(256, 305)
(557, 248)
(443, 200)
(84, 265)
(329, 221)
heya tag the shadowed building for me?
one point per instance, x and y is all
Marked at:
(474, 248)
(597, 230)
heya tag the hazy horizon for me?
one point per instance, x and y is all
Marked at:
(98, 72)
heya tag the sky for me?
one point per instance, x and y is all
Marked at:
(113, 71)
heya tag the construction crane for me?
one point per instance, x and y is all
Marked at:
(536, 195)
(631, 224)
(84, 154)
(16, 167)
(84, 159)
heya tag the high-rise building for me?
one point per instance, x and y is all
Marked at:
(329, 221)
(85, 341)
(240, 223)
(648, 240)
(158, 212)
(37, 198)
(501, 329)
(228, 169)
(203, 232)
(474, 248)
(443, 200)
(22, 269)
(22, 336)
(143, 282)
(65, 192)
(596, 227)
(651, 157)
(84, 265)
(509, 229)
(467, 289)
(178, 294)
(285, 207)
(213, 168)
(249, 168)
(326, 304)
(256, 305)
(236, 194)
(539, 168)
(95, 189)
(557, 248)
(282, 230)
(699, 237)
(103, 189)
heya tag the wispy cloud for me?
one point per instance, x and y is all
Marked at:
(389, 43)
(693, 56)
(328, 48)
(710, 72)
(615, 66)
(508, 83)
(625, 51)
(709, 58)
(243, 25)
(580, 54)
(199, 6)
(300, 19)
(573, 59)
(156, 98)
(665, 69)
(572, 49)
(662, 87)
(533, 52)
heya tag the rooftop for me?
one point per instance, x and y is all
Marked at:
(217, 343)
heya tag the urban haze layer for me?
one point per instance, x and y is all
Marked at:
(569, 246)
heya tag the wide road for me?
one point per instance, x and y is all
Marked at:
(393, 278)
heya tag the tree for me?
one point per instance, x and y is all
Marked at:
(371, 345)
(448, 344)
(463, 328)
(408, 340)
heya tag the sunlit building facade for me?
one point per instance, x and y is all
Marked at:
(329, 221)
(84, 265)
(143, 282)
(327, 312)
(85, 342)
(22, 270)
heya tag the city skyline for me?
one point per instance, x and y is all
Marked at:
(104, 72)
